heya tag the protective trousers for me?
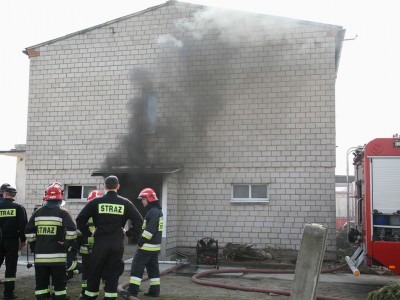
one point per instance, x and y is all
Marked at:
(85, 271)
(105, 261)
(9, 252)
(59, 281)
(149, 260)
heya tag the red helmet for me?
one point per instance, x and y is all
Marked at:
(149, 194)
(94, 194)
(54, 192)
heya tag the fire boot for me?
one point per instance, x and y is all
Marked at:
(42, 297)
(10, 297)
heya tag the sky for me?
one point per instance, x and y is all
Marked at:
(367, 93)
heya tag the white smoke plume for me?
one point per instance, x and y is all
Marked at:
(169, 40)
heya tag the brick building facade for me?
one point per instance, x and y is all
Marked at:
(230, 116)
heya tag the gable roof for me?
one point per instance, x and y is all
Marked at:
(29, 49)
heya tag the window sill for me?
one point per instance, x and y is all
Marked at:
(249, 201)
(75, 201)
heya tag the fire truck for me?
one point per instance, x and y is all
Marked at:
(377, 205)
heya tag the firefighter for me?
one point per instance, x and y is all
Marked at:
(51, 230)
(110, 213)
(3, 188)
(148, 248)
(73, 265)
(86, 242)
(13, 220)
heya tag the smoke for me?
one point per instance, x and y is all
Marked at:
(168, 39)
(193, 65)
(230, 26)
(132, 152)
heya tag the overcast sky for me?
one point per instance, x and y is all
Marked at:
(367, 86)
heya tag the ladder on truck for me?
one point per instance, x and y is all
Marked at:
(356, 259)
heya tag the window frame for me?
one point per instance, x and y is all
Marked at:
(82, 199)
(249, 199)
(150, 112)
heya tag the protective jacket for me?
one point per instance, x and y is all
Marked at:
(13, 219)
(12, 224)
(110, 213)
(86, 241)
(150, 240)
(46, 228)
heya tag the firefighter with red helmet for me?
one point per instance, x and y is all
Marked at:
(13, 220)
(86, 242)
(110, 213)
(149, 246)
(51, 230)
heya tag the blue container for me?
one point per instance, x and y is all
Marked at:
(381, 220)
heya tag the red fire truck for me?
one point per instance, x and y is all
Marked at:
(377, 204)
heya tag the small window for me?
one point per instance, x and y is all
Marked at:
(78, 192)
(150, 112)
(250, 193)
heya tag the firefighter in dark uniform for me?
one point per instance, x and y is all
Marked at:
(110, 213)
(149, 246)
(85, 242)
(13, 220)
(51, 230)
(3, 188)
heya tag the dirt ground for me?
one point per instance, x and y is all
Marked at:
(178, 285)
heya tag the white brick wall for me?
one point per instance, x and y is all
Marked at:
(245, 108)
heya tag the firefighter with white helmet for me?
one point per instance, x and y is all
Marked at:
(149, 246)
(13, 220)
(110, 213)
(51, 230)
(86, 242)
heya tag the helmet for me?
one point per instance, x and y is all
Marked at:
(94, 194)
(149, 194)
(54, 192)
(10, 190)
(4, 186)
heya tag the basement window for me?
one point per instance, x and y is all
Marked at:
(249, 193)
(78, 192)
(150, 112)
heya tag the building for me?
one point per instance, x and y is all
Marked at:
(229, 116)
(20, 173)
(345, 209)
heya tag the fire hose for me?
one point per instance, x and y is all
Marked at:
(124, 285)
(195, 279)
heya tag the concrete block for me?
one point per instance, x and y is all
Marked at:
(309, 262)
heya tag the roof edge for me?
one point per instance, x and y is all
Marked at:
(28, 49)
(147, 169)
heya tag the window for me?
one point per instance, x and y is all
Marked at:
(249, 193)
(78, 192)
(150, 112)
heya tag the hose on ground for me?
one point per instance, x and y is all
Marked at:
(195, 279)
(124, 285)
